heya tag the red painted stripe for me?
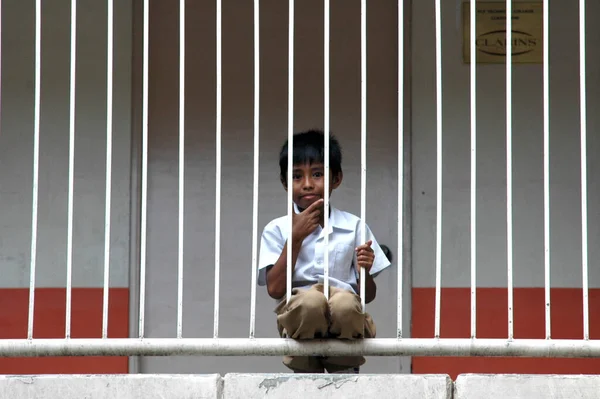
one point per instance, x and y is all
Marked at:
(49, 322)
(492, 322)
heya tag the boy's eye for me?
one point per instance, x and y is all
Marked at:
(318, 174)
(296, 176)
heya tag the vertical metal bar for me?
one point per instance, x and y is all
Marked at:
(290, 204)
(181, 166)
(36, 165)
(327, 128)
(256, 166)
(0, 57)
(473, 48)
(134, 362)
(546, 170)
(143, 228)
(218, 170)
(583, 122)
(109, 121)
(438, 238)
(399, 319)
(363, 139)
(509, 217)
(71, 167)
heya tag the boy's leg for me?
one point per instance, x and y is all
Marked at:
(347, 322)
(305, 316)
(347, 318)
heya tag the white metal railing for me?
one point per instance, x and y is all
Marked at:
(144, 214)
(279, 346)
(546, 173)
(584, 219)
(400, 227)
(438, 230)
(218, 177)
(109, 130)
(181, 167)
(36, 166)
(473, 197)
(254, 264)
(291, 147)
(509, 196)
(435, 346)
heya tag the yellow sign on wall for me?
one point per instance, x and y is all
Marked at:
(490, 32)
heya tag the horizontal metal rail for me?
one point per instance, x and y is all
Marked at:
(560, 348)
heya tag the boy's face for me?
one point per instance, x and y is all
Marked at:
(308, 184)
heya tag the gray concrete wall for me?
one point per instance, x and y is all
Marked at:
(112, 386)
(527, 111)
(471, 386)
(301, 386)
(230, 386)
(236, 218)
(16, 144)
(339, 386)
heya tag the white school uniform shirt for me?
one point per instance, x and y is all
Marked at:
(344, 237)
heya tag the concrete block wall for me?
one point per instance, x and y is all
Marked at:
(133, 386)
(471, 386)
(289, 386)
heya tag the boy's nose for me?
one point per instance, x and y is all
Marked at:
(307, 183)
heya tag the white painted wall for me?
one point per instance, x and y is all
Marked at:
(528, 208)
(16, 144)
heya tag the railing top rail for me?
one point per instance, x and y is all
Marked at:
(278, 347)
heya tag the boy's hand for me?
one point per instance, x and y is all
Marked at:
(306, 221)
(365, 256)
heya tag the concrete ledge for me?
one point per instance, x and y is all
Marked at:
(291, 386)
(301, 386)
(471, 386)
(135, 386)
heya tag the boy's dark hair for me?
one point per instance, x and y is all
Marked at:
(309, 147)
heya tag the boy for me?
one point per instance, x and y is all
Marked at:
(309, 314)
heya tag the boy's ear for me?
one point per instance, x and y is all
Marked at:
(336, 180)
(283, 182)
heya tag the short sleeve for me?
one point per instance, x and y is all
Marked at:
(381, 261)
(271, 245)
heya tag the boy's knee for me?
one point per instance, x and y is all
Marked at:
(347, 318)
(306, 316)
(344, 303)
(313, 301)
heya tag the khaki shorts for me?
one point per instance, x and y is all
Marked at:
(308, 315)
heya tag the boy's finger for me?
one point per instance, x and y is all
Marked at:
(315, 205)
(365, 247)
(365, 265)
